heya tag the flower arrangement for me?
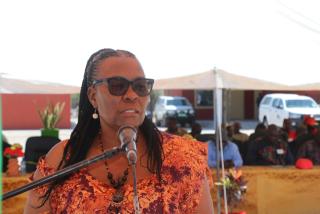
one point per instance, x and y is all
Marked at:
(13, 151)
(51, 115)
(235, 185)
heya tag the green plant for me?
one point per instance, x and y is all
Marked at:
(51, 114)
(235, 186)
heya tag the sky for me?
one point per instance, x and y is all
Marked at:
(274, 40)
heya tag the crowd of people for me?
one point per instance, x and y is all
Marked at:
(271, 145)
(267, 145)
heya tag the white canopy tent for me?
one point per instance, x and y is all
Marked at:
(17, 86)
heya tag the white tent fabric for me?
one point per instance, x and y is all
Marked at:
(17, 86)
(206, 81)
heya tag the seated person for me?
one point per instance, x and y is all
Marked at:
(259, 133)
(287, 131)
(311, 149)
(195, 129)
(270, 150)
(305, 133)
(195, 132)
(229, 129)
(230, 151)
(302, 136)
(238, 135)
(172, 127)
(5, 144)
(240, 139)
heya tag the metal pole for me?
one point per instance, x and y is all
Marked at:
(218, 104)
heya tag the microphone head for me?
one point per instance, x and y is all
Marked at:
(127, 134)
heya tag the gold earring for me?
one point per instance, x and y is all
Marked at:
(95, 114)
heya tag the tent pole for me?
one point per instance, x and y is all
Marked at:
(218, 104)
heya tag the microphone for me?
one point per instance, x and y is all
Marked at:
(127, 135)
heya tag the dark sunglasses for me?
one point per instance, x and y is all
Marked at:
(118, 86)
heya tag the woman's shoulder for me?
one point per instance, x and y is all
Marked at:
(54, 156)
(184, 151)
(49, 163)
(184, 168)
(182, 143)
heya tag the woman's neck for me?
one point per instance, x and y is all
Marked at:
(109, 138)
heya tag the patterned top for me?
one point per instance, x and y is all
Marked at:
(275, 153)
(311, 150)
(183, 172)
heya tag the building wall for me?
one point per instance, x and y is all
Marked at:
(19, 111)
(238, 105)
(235, 102)
(235, 109)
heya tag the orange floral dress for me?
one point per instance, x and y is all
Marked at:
(183, 173)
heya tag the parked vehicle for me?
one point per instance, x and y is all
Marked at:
(175, 106)
(276, 107)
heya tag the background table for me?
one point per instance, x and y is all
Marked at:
(272, 190)
(15, 204)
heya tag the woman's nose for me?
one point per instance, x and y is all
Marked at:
(130, 95)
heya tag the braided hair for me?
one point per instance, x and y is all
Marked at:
(88, 128)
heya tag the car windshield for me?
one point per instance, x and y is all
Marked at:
(301, 103)
(177, 102)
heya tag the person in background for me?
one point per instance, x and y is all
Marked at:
(305, 133)
(229, 129)
(310, 148)
(240, 139)
(195, 133)
(253, 143)
(171, 174)
(237, 134)
(195, 129)
(259, 132)
(230, 151)
(270, 150)
(172, 127)
(5, 144)
(288, 133)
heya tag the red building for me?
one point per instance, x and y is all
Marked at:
(239, 104)
(20, 111)
(22, 99)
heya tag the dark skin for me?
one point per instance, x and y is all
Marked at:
(172, 127)
(273, 134)
(196, 129)
(236, 127)
(114, 111)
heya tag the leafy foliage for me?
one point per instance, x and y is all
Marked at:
(235, 185)
(51, 114)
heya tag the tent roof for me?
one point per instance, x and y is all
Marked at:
(310, 86)
(17, 86)
(206, 80)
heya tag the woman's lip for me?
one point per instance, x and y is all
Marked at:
(130, 111)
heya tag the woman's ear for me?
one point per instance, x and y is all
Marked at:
(91, 93)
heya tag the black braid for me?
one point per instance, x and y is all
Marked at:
(87, 128)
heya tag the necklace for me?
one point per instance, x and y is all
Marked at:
(117, 198)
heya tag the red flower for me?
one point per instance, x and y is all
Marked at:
(14, 151)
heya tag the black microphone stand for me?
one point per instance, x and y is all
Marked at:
(63, 172)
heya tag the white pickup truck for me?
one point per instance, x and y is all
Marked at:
(276, 107)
